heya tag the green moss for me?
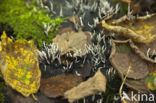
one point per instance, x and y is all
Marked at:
(112, 89)
(123, 6)
(21, 18)
(150, 80)
(122, 48)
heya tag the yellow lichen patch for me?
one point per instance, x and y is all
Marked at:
(154, 74)
(151, 81)
(143, 29)
(5, 40)
(139, 30)
(149, 85)
(22, 71)
(4, 36)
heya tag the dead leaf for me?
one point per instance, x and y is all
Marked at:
(136, 8)
(74, 19)
(72, 42)
(83, 69)
(19, 65)
(138, 85)
(140, 50)
(22, 72)
(142, 6)
(144, 26)
(126, 1)
(148, 48)
(150, 81)
(63, 30)
(92, 86)
(122, 56)
(56, 86)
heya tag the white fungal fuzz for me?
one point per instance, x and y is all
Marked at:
(68, 4)
(110, 73)
(78, 74)
(84, 100)
(147, 54)
(103, 7)
(94, 6)
(49, 54)
(129, 13)
(96, 21)
(76, 25)
(81, 21)
(41, 4)
(93, 97)
(151, 54)
(106, 8)
(52, 7)
(35, 10)
(47, 28)
(91, 26)
(61, 11)
(98, 51)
